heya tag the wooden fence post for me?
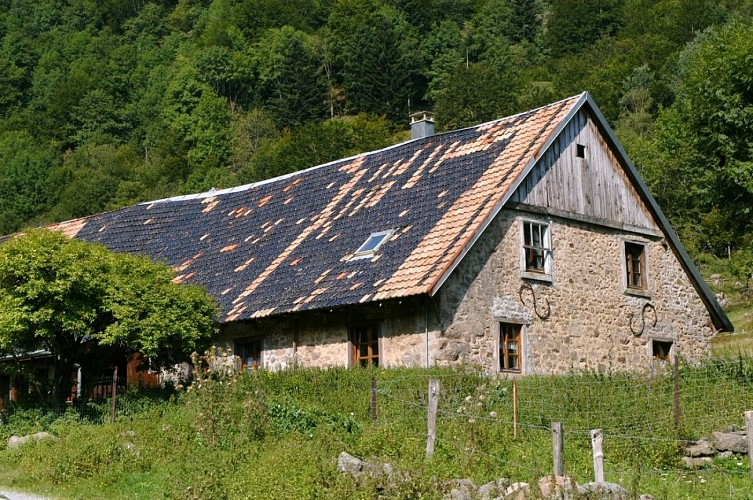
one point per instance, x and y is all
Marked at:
(749, 432)
(114, 391)
(432, 419)
(596, 438)
(558, 441)
(373, 399)
(515, 409)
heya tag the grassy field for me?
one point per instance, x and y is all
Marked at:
(277, 435)
(720, 277)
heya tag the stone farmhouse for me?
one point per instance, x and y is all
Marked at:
(525, 245)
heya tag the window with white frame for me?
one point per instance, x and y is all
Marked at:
(536, 253)
(372, 244)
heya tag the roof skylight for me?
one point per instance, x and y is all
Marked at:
(372, 244)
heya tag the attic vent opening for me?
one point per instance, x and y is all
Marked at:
(372, 244)
(580, 150)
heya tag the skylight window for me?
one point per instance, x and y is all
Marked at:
(372, 244)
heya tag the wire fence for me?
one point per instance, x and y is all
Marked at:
(646, 418)
(708, 397)
(501, 424)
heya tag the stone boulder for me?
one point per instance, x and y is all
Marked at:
(358, 468)
(560, 487)
(350, 464)
(517, 491)
(605, 491)
(735, 442)
(700, 448)
(493, 489)
(462, 489)
(18, 441)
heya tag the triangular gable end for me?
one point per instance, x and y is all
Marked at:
(634, 201)
(580, 177)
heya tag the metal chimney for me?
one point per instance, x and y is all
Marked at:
(421, 125)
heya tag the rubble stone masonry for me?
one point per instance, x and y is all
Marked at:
(588, 327)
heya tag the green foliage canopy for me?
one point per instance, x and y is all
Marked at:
(105, 104)
(66, 295)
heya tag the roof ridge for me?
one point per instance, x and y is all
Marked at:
(245, 187)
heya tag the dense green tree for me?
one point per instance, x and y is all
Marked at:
(291, 81)
(525, 23)
(68, 296)
(250, 131)
(199, 115)
(25, 167)
(709, 129)
(485, 35)
(574, 25)
(476, 93)
(378, 57)
(317, 143)
(445, 48)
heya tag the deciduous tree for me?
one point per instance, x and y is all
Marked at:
(71, 297)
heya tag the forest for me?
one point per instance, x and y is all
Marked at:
(112, 102)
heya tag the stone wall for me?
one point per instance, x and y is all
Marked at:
(321, 338)
(589, 323)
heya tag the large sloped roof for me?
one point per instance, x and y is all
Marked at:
(287, 244)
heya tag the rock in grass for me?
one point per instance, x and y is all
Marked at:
(350, 464)
(493, 489)
(462, 489)
(700, 448)
(558, 487)
(517, 491)
(18, 441)
(731, 441)
(605, 490)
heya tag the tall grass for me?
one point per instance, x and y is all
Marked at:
(277, 435)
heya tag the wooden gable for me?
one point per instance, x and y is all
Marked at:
(579, 175)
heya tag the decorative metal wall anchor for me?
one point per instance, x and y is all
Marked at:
(527, 286)
(647, 306)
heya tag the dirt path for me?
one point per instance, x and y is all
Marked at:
(17, 495)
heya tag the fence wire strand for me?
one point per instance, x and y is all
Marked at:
(633, 410)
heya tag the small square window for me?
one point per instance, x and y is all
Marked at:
(509, 347)
(635, 266)
(662, 349)
(372, 244)
(580, 150)
(365, 343)
(536, 247)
